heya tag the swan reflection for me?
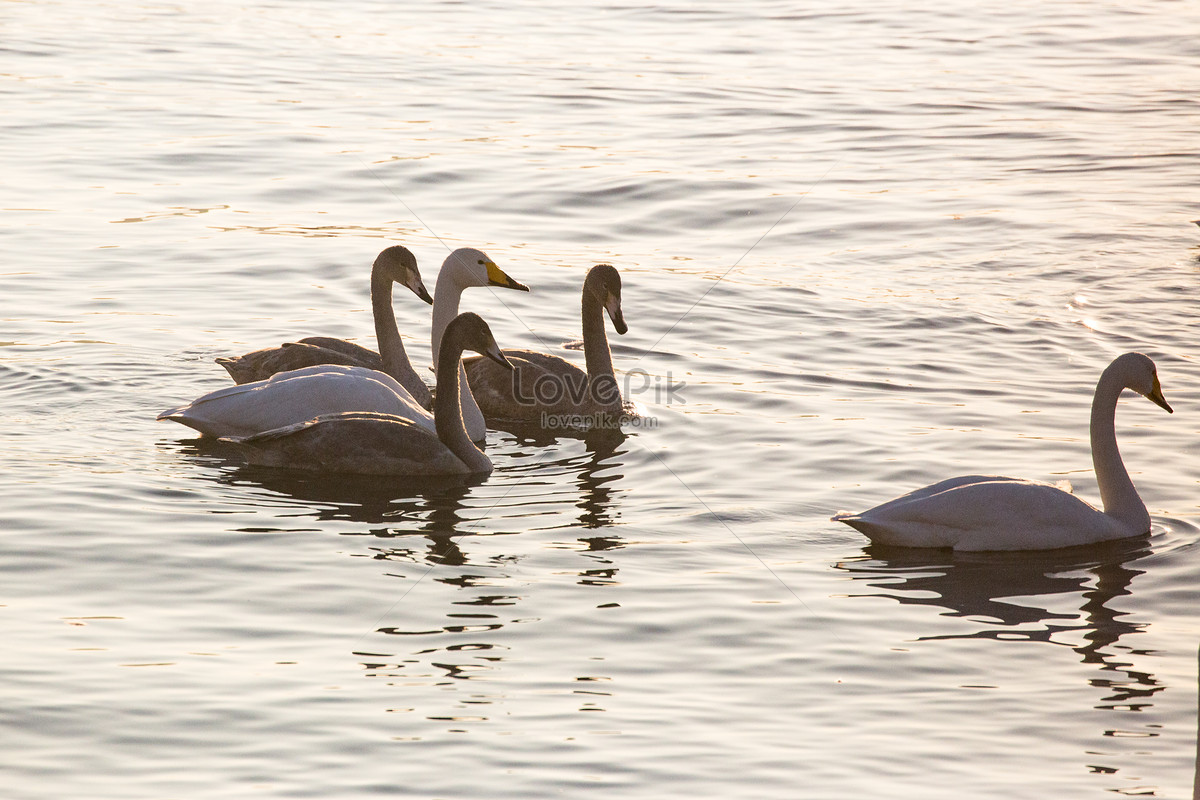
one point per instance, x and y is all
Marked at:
(597, 469)
(1012, 596)
(546, 482)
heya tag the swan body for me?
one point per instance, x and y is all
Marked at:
(545, 384)
(368, 443)
(463, 269)
(295, 396)
(983, 512)
(395, 264)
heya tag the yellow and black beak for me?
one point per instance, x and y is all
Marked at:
(1156, 397)
(497, 277)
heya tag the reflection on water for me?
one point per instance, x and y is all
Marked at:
(577, 479)
(1007, 594)
(435, 505)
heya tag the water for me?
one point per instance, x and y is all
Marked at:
(862, 250)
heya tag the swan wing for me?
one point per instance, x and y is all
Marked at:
(262, 364)
(547, 384)
(360, 355)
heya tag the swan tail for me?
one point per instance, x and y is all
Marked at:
(180, 415)
(853, 520)
(241, 373)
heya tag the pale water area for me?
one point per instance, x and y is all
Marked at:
(863, 249)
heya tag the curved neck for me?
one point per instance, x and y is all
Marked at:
(602, 384)
(1117, 493)
(446, 294)
(387, 334)
(447, 412)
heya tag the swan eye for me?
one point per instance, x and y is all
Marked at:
(480, 261)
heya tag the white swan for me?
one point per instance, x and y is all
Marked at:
(295, 396)
(547, 384)
(380, 444)
(393, 265)
(462, 269)
(982, 512)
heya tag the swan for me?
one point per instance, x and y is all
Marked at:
(547, 384)
(983, 512)
(382, 444)
(395, 264)
(462, 269)
(297, 395)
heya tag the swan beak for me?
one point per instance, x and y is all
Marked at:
(497, 277)
(495, 354)
(418, 287)
(613, 307)
(1156, 397)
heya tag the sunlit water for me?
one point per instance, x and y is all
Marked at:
(862, 250)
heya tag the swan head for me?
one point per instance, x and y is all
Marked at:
(400, 266)
(604, 282)
(470, 267)
(468, 331)
(1138, 373)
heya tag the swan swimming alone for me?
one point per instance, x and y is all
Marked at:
(395, 264)
(297, 395)
(463, 269)
(380, 444)
(982, 512)
(546, 384)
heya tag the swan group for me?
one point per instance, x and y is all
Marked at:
(291, 403)
(371, 443)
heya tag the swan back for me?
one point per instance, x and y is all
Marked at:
(986, 512)
(361, 443)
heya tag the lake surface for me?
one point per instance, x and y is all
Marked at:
(862, 250)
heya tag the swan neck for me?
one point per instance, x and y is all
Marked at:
(447, 411)
(595, 339)
(597, 356)
(387, 334)
(446, 295)
(1117, 493)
